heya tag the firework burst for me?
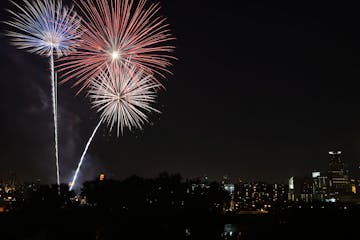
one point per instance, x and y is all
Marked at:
(119, 32)
(45, 27)
(123, 96)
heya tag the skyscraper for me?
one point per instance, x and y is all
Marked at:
(300, 189)
(338, 175)
(320, 185)
(336, 165)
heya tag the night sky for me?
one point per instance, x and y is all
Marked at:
(261, 90)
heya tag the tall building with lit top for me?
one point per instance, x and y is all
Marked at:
(336, 165)
(338, 175)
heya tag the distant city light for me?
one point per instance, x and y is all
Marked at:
(291, 183)
(315, 174)
(102, 177)
(230, 188)
(353, 189)
(331, 200)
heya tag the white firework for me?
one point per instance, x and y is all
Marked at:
(123, 97)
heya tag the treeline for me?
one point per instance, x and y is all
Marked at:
(164, 194)
(164, 207)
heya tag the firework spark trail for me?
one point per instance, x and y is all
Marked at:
(122, 95)
(119, 32)
(54, 107)
(72, 184)
(47, 28)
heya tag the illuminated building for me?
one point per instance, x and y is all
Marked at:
(258, 195)
(300, 189)
(291, 189)
(230, 188)
(279, 192)
(338, 175)
(320, 186)
(227, 185)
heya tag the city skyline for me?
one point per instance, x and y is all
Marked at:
(334, 159)
(261, 90)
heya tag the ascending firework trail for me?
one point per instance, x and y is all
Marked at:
(72, 184)
(46, 28)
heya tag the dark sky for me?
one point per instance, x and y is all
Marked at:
(261, 91)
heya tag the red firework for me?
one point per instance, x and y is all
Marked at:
(119, 32)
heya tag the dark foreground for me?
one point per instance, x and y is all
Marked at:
(166, 208)
(93, 224)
